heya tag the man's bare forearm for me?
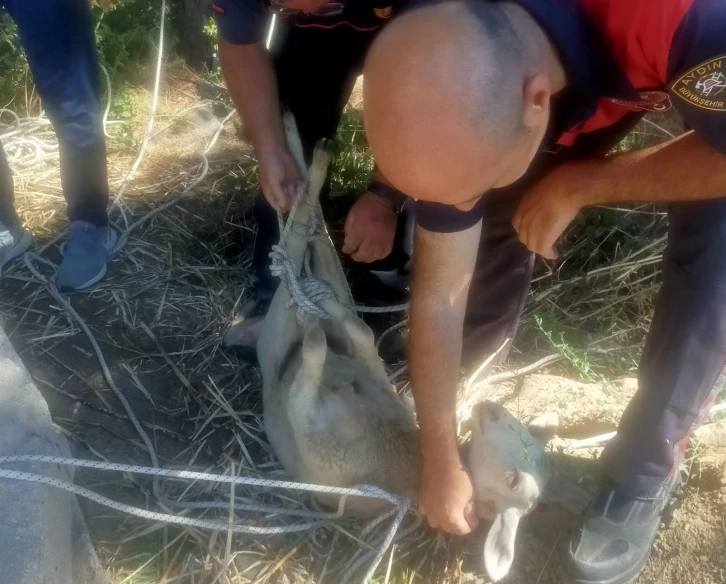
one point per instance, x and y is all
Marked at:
(251, 83)
(435, 355)
(442, 272)
(684, 169)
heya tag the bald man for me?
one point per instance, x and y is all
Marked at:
(496, 117)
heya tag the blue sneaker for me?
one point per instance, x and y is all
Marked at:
(13, 243)
(85, 256)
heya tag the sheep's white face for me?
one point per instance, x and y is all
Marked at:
(505, 462)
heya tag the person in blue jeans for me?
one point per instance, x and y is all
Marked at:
(59, 41)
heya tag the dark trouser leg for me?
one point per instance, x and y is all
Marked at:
(395, 270)
(315, 71)
(503, 270)
(500, 282)
(504, 265)
(58, 38)
(8, 216)
(682, 367)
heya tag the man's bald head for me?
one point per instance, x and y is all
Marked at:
(445, 100)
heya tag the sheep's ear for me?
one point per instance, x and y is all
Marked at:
(543, 428)
(499, 545)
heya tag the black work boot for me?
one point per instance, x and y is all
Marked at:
(614, 541)
(241, 337)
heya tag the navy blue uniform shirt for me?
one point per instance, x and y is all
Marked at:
(622, 56)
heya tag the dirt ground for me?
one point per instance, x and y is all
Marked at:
(689, 550)
(159, 319)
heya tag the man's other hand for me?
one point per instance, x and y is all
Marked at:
(446, 498)
(547, 209)
(370, 229)
(279, 178)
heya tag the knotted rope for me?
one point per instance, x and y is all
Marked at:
(305, 290)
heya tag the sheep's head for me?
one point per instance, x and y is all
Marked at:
(505, 461)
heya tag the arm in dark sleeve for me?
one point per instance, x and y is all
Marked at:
(440, 218)
(697, 71)
(433, 217)
(241, 22)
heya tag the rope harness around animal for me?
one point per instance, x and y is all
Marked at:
(400, 504)
(311, 290)
(305, 290)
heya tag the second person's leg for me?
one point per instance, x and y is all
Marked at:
(14, 240)
(8, 215)
(58, 38)
(500, 283)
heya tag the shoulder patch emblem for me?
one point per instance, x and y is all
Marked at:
(704, 86)
(384, 13)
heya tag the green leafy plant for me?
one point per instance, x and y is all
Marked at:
(126, 35)
(578, 360)
(16, 87)
(352, 168)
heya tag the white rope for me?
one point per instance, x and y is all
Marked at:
(23, 147)
(356, 564)
(382, 309)
(109, 100)
(270, 31)
(118, 199)
(152, 515)
(187, 192)
(305, 290)
(390, 330)
(368, 491)
(400, 504)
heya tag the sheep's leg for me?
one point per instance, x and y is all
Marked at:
(281, 330)
(294, 143)
(309, 379)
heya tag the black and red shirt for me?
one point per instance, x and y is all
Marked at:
(624, 56)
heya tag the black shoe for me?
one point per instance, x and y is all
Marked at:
(380, 289)
(614, 542)
(241, 337)
(393, 348)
